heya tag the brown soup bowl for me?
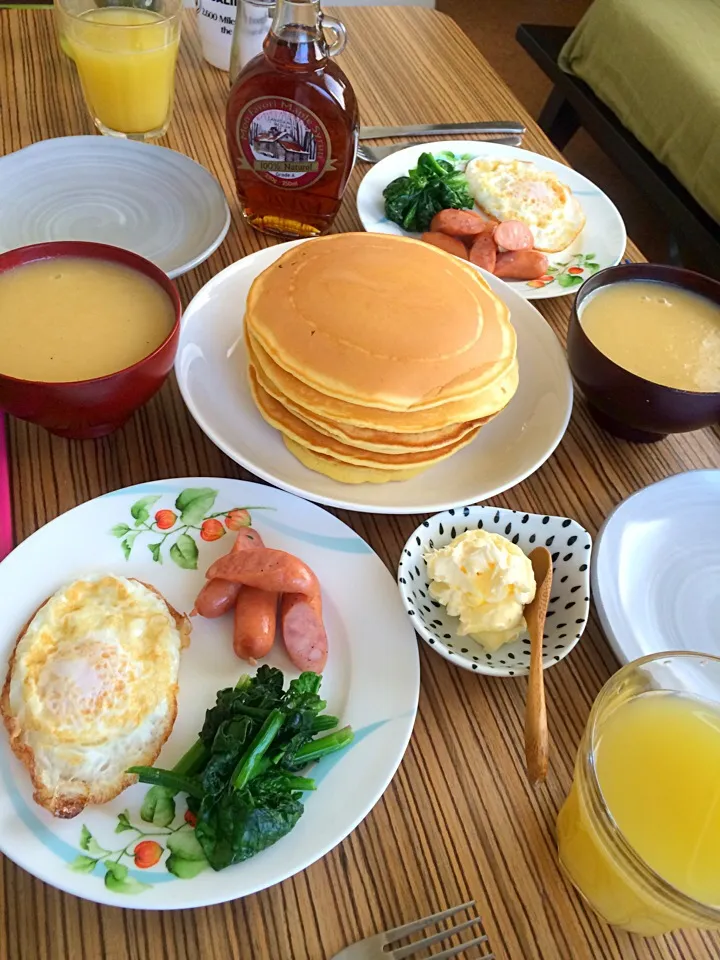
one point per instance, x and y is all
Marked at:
(623, 403)
(90, 408)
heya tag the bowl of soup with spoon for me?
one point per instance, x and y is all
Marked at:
(644, 348)
(88, 331)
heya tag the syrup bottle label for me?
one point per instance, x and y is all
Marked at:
(283, 143)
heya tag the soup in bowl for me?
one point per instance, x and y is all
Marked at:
(644, 348)
(89, 333)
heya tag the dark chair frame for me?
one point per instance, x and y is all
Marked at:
(572, 104)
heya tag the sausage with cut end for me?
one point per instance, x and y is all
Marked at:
(265, 569)
(255, 623)
(303, 630)
(219, 596)
(483, 252)
(459, 223)
(513, 235)
(447, 243)
(521, 265)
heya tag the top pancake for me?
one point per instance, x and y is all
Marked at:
(381, 321)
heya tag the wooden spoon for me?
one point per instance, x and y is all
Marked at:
(536, 733)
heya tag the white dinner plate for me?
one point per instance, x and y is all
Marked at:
(656, 574)
(211, 368)
(371, 682)
(156, 202)
(600, 244)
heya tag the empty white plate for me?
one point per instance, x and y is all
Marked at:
(211, 369)
(656, 575)
(156, 202)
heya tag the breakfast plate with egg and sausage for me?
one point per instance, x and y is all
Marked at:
(535, 223)
(188, 669)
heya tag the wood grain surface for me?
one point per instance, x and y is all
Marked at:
(459, 820)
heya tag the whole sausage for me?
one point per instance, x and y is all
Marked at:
(272, 570)
(459, 223)
(447, 243)
(521, 265)
(513, 235)
(255, 623)
(303, 631)
(218, 596)
(483, 252)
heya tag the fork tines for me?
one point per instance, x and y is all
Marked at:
(445, 934)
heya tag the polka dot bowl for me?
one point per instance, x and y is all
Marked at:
(570, 546)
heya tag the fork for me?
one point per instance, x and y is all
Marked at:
(367, 154)
(373, 948)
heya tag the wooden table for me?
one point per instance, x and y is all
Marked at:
(459, 820)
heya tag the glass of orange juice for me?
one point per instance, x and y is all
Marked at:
(639, 834)
(125, 53)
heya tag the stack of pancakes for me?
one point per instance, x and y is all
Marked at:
(376, 356)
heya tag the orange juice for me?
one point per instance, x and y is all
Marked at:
(126, 61)
(639, 834)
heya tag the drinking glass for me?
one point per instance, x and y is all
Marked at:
(125, 53)
(608, 872)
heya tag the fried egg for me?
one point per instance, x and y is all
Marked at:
(92, 689)
(518, 190)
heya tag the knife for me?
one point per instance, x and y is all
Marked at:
(497, 127)
(368, 154)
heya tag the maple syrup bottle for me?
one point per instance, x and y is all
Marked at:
(292, 125)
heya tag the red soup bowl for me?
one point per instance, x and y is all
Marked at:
(90, 408)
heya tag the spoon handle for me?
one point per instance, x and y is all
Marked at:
(536, 731)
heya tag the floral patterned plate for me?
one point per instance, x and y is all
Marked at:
(600, 244)
(166, 534)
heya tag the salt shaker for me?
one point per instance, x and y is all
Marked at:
(252, 24)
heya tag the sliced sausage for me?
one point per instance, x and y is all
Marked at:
(513, 235)
(459, 223)
(447, 243)
(255, 623)
(272, 570)
(218, 596)
(303, 631)
(521, 265)
(483, 252)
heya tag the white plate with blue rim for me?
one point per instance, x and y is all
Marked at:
(570, 547)
(94, 855)
(600, 244)
(656, 575)
(154, 201)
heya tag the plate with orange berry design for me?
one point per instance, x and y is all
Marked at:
(140, 850)
(600, 243)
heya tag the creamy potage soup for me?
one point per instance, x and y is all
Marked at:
(657, 331)
(73, 318)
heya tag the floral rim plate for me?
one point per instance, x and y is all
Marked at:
(600, 244)
(166, 533)
(211, 369)
(149, 199)
(570, 546)
(657, 568)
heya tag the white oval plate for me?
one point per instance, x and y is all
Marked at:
(372, 682)
(211, 368)
(600, 244)
(656, 575)
(156, 202)
(569, 545)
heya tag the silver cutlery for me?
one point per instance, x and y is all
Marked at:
(374, 948)
(495, 127)
(372, 154)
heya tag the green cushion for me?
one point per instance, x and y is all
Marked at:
(656, 64)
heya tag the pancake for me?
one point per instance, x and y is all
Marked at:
(381, 321)
(307, 436)
(346, 472)
(382, 441)
(484, 404)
